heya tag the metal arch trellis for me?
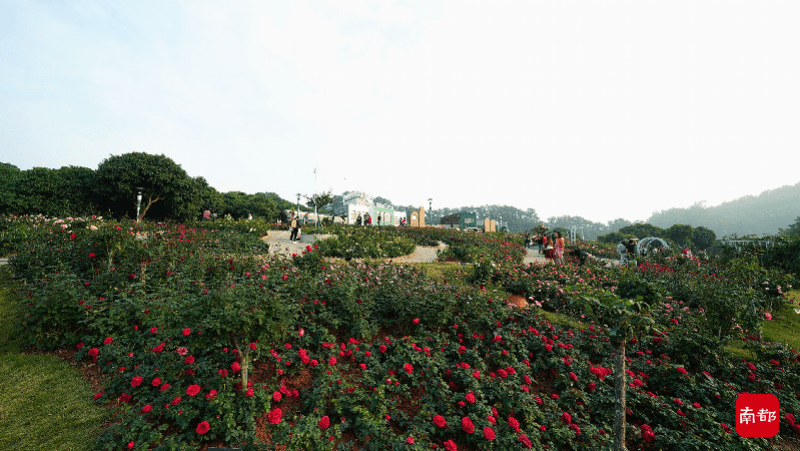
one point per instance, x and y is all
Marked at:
(645, 242)
(739, 244)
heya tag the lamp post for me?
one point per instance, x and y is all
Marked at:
(138, 201)
(297, 212)
(430, 208)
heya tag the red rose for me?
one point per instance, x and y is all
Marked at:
(159, 348)
(235, 367)
(415, 321)
(156, 382)
(566, 418)
(202, 428)
(153, 330)
(212, 394)
(193, 390)
(409, 368)
(467, 426)
(188, 360)
(94, 352)
(275, 416)
(513, 423)
(187, 332)
(175, 400)
(526, 442)
(470, 397)
(439, 421)
(410, 440)
(165, 387)
(147, 408)
(450, 445)
(98, 395)
(136, 381)
(488, 433)
(324, 423)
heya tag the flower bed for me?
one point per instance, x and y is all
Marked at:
(201, 345)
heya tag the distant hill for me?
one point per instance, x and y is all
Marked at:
(764, 214)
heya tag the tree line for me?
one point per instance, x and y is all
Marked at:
(167, 191)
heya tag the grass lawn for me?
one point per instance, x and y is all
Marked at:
(44, 402)
(783, 328)
(785, 324)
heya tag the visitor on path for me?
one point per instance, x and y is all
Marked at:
(630, 248)
(359, 220)
(549, 250)
(299, 232)
(559, 247)
(294, 229)
(403, 222)
(623, 251)
(545, 244)
(369, 220)
(527, 240)
(539, 240)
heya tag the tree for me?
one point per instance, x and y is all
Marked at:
(617, 224)
(680, 233)
(624, 318)
(167, 191)
(453, 219)
(793, 230)
(51, 192)
(8, 176)
(703, 238)
(321, 200)
(642, 230)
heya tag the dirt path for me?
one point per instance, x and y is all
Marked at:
(279, 242)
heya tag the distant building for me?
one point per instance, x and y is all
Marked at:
(359, 203)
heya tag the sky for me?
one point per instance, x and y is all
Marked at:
(600, 109)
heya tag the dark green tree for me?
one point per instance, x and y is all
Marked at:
(793, 230)
(703, 238)
(680, 233)
(642, 230)
(167, 191)
(8, 176)
(51, 192)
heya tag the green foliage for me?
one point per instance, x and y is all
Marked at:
(379, 349)
(366, 242)
(51, 192)
(167, 191)
(793, 230)
(681, 234)
(643, 230)
(703, 238)
(615, 237)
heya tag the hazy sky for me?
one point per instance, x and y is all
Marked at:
(599, 109)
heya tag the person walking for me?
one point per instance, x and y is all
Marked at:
(549, 250)
(369, 220)
(527, 240)
(622, 251)
(359, 220)
(293, 227)
(379, 219)
(559, 247)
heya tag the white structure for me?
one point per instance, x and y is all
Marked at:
(359, 203)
